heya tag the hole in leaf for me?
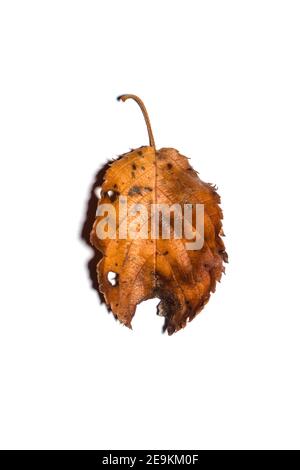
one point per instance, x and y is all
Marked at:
(97, 192)
(112, 195)
(112, 278)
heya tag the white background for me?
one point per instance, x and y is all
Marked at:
(221, 80)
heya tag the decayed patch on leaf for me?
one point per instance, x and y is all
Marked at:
(133, 270)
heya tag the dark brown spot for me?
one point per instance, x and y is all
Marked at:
(133, 166)
(143, 168)
(135, 190)
(165, 253)
(140, 153)
(147, 188)
(132, 174)
(169, 165)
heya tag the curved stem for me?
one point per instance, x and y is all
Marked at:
(145, 114)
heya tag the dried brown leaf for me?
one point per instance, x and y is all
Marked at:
(146, 268)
